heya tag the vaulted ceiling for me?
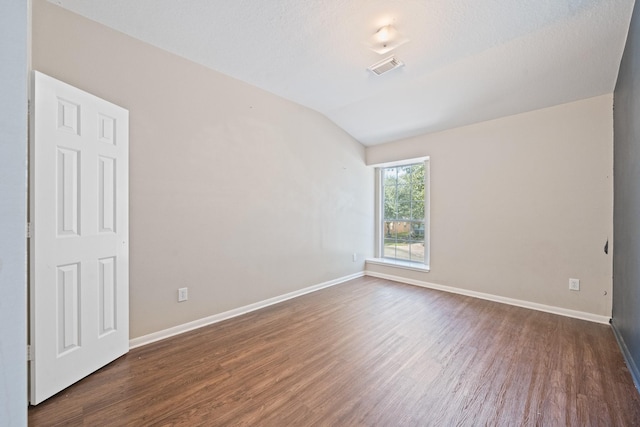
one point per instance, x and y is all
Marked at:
(466, 60)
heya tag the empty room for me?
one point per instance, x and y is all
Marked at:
(294, 213)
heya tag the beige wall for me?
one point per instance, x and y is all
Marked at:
(242, 196)
(236, 193)
(521, 204)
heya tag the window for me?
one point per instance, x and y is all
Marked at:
(404, 219)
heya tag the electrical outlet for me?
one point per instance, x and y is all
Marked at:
(574, 284)
(183, 294)
(355, 257)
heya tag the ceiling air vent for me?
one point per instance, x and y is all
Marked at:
(385, 65)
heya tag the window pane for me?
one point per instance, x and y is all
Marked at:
(403, 229)
(404, 175)
(417, 177)
(417, 231)
(404, 202)
(417, 251)
(390, 208)
(389, 176)
(417, 209)
(402, 250)
(389, 248)
(389, 231)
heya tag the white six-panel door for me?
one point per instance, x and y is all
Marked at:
(79, 255)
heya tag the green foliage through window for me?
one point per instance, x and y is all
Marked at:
(404, 212)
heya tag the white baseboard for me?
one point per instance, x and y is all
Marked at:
(166, 333)
(496, 298)
(176, 330)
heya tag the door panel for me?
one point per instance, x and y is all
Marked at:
(79, 249)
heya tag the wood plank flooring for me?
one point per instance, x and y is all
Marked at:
(369, 352)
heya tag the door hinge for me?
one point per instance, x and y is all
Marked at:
(29, 230)
(28, 353)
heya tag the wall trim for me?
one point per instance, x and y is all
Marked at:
(496, 298)
(631, 364)
(189, 326)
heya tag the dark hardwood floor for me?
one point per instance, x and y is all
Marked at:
(365, 353)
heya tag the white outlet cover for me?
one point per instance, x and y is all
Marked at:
(574, 284)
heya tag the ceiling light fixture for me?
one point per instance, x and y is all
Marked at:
(386, 33)
(386, 39)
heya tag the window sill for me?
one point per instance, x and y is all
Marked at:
(406, 265)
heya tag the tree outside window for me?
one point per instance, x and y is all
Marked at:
(403, 224)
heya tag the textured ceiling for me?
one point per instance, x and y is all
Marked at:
(466, 61)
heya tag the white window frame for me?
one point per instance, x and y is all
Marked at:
(379, 259)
